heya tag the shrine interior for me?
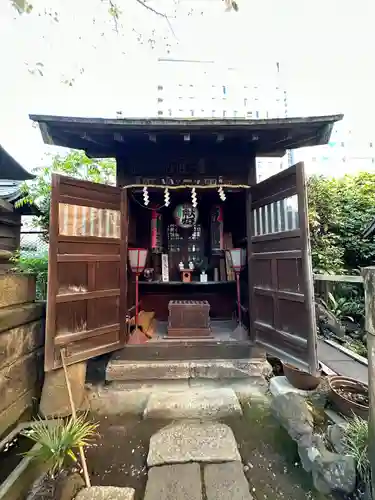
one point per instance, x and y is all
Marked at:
(214, 227)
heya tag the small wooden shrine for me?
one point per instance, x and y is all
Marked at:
(185, 207)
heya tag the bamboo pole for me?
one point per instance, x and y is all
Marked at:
(368, 274)
(74, 416)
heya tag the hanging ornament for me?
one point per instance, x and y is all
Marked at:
(166, 197)
(194, 197)
(222, 194)
(186, 215)
(146, 199)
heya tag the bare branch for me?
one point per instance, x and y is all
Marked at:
(114, 11)
(158, 13)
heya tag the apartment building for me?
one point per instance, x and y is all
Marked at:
(195, 88)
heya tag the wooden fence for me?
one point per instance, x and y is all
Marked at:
(323, 284)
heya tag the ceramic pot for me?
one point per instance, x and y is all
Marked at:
(299, 379)
(349, 396)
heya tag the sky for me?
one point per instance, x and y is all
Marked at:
(325, 50)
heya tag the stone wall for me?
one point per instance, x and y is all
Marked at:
(21, 348)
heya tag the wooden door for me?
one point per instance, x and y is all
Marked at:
(87, 278)
(281, 288)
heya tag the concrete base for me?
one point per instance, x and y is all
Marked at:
(122, 370)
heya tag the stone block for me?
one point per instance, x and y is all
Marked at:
(131, 370)
(105, 493)
(292, 412)
(335, 434)
(55, 398)
(111, 401)
(11, 415)
(16, 289)
(11, 317)
(226, 481)
(20, 377)
(18, 342)
(193, 403)
(281, 385)
(193, 441)
(172, 482)
(334, 473)
(226, 369)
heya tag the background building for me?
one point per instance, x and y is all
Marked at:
(350, 150)
(195, 88)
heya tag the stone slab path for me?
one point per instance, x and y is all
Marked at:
(193, 441)
(195, 460)
(193, 403)
(105, 493)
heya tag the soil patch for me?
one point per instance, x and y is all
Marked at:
(120, 455)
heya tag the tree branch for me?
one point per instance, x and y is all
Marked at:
(158, 13)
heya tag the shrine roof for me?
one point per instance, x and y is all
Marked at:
(104, 137)
(10, 169)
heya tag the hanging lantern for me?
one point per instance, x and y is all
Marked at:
(186, 215)
(217, 223)
(156, 231)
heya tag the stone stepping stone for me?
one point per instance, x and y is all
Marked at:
(105, 493)
(174, 482)
(226, 482)
(193, 441)
(194, 403)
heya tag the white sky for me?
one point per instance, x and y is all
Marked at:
(325, 48)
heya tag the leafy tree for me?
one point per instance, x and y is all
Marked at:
(75, 164)
(339, 210)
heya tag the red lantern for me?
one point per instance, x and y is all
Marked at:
(137, 260)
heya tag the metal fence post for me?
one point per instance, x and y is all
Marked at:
(368, 274)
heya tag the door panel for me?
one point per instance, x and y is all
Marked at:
(87, 278)
(281, 288)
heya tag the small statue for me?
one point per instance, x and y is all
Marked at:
(181, 266)
(191, 266)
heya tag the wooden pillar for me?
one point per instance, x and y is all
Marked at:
(251, 180)
(123, 309)
(368, 274)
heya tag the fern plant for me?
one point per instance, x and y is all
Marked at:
(58, 441)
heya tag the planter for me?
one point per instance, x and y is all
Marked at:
(349, 396)
(19, 471)
(299, 379)
(64, 486)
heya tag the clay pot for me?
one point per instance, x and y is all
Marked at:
(299, 379)
(339, 389)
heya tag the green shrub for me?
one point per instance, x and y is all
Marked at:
(36, 264)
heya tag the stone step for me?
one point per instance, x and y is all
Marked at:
(127, 370)
(131, 397)
(193, 403)
(193, 441)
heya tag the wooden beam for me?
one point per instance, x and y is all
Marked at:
(6, 206)
(338, 278)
